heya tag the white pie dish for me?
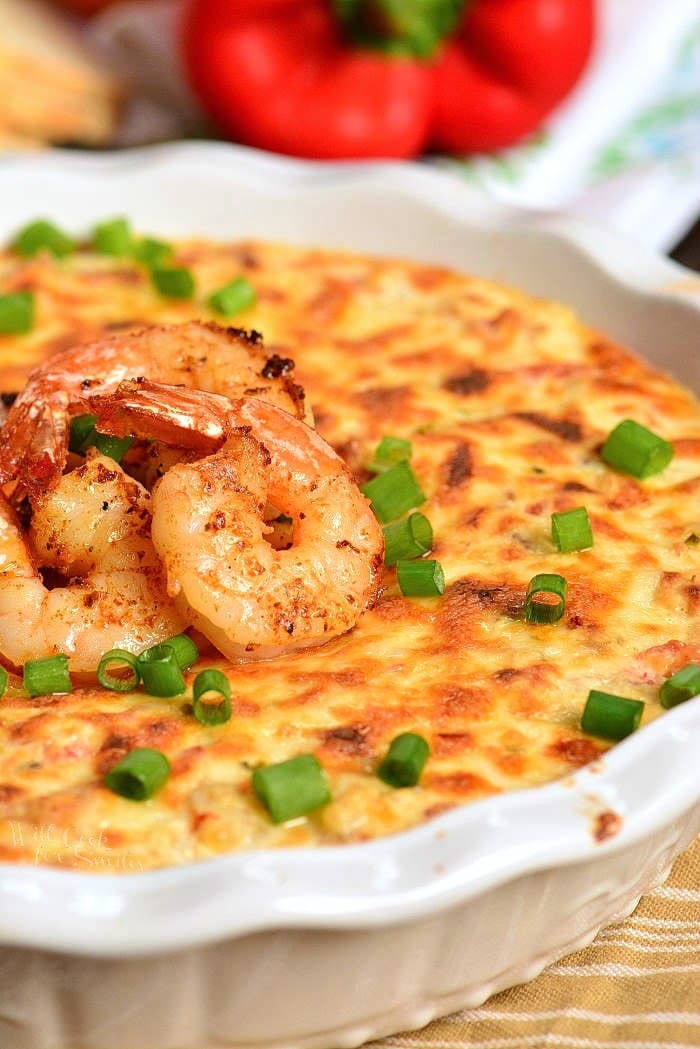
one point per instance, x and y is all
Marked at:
(331, 947)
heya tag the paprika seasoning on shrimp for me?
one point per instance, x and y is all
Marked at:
(344, 79)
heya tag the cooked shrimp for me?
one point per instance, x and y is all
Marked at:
(91, 535)
(233, 362)
(251, 600)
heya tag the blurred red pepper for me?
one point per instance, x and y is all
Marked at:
(342, 79)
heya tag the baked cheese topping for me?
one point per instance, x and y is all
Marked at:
(506, 401)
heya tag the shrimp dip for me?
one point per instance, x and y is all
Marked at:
(303, 547)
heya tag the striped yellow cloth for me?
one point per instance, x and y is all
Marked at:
(636, 987)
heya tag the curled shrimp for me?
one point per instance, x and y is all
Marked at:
(34, 440)
(91, 537)
(252, 601)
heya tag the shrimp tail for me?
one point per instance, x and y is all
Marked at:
(174, 415)
(35, 446)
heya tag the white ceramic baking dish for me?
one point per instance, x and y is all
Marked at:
(329, 947)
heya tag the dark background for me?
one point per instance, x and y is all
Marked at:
(688, 251)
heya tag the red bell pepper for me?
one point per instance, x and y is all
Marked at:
(344, 79)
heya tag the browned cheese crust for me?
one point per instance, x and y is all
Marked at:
(506, 400)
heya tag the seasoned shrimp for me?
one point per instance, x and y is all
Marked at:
(91, 536)
(253, 601)
(232, 362)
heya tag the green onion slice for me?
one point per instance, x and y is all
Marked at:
(237, 295)
(610, 717)
(139, 775)
(186, 652)
(389, 451)
(539, 608)
(4, 678)
(113, 447)
(151, 252)
(633, 449)
(292, 788)
(118, 670)
(207, 683)
(16, 313)
(42, 677)
(82, 428)
(571, 530)
(394, 492)
(173, 282)
(113, 238)
(405, 539)
(83, 435)
(420, 578)
(404, 760)
(160, 672)
(682, 685)
(41, 235)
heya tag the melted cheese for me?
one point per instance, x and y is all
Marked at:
(506, 400)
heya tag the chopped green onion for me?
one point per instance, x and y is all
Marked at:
(420, 578)
(411, 537)
(4, 678)
(173, 282)
(611, 717)
(42, 234)
(571, 530)
(237, 295)
(389, 451)
(139, 775)
(394, 492)
(16, 313)
(113, 238)
(83, 435)
(292, 788)
(206, 711)
(152, 253)
(186, 652)
(118, 670)
(160, 672)
(682, 685)
(404, 760)
(539, 610)
(633, 449)
(42, 677)
(82, 428)
(113, 447)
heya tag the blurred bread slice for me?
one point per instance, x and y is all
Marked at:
(10, 140)
(51, 87)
